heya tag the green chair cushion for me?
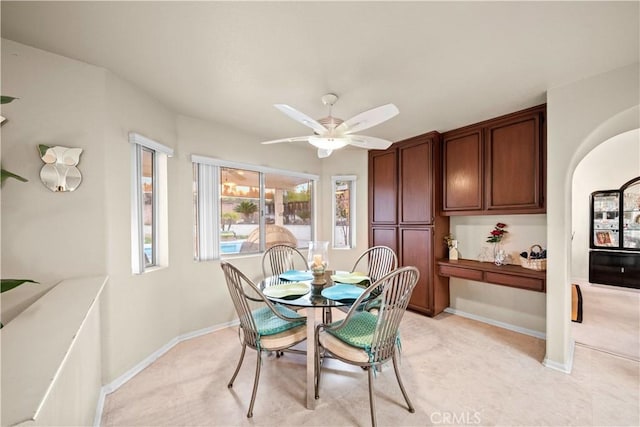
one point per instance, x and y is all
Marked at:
(269, 324)
(358, 332)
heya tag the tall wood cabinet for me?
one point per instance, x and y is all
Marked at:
(496, 166)
(405, 187)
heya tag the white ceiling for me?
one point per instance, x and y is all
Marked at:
(444, 64)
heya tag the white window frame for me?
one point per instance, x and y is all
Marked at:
(160, 205)
(352, 210)
(208, 204)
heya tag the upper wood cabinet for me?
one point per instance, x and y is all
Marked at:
(383, 176)
(463, 170)
(416, 181)
(403, 177)
(497, 166)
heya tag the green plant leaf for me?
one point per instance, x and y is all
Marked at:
(43, 149)
(4, 174)
(8, 284)
(6, 99)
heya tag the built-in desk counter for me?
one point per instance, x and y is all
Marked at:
(514, 276)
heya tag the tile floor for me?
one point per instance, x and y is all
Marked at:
(457, 372)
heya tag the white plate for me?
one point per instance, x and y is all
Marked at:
(352, 278)
(287, 290)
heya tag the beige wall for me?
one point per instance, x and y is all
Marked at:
(50, 236)
(349, 161)
(581, 115)
(606, 167)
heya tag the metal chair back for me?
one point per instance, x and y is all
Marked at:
(379, 260)
(280, 258)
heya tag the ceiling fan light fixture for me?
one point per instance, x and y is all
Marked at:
(332, 133)
(328, 143)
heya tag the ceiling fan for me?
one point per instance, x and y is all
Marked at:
(332, 133)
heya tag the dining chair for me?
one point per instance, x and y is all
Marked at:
(376, 262)
(263, 325)
(367, 340)
(380, 261)
(280, 258)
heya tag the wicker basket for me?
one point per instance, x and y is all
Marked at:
(534, 264)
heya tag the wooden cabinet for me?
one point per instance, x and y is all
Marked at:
(416, 181)
(383, 176)
(463, 170)
(404, 213)
(513, 276)
(497, 166)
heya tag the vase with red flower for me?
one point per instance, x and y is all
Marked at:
(495, 236)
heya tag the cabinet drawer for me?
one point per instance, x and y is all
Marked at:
(515, 281)
(463, 273)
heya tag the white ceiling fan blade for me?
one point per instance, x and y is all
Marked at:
(301, 118)
(292, 139)
(368, 119)
(369, 142)
(323, 152)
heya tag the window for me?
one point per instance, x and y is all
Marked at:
(148, 201)
(344, 211)
(243, 209)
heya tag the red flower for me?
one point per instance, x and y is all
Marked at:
(497, 233)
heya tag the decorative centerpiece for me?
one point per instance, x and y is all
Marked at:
(495, 237)
(318, 259)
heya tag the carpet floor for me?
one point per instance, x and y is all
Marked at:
(610, 320)
(457, 371)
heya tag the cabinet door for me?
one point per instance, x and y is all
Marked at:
(416, 182)
(513, 162)
(384, 236)
(462, 186)
(605, 219)
(416, 249)
(383, 184)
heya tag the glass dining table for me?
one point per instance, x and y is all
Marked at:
(314, 304)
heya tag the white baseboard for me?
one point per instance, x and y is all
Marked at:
(497, 323)
(562, 367)
(122, 379)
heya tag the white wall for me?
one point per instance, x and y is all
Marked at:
(580, 115)
(606, 167)
(516, 307)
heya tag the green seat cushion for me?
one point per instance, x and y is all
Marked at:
(358, 332)
(269, 324)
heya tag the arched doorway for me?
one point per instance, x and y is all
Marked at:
(575, 132)
(610, 315)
